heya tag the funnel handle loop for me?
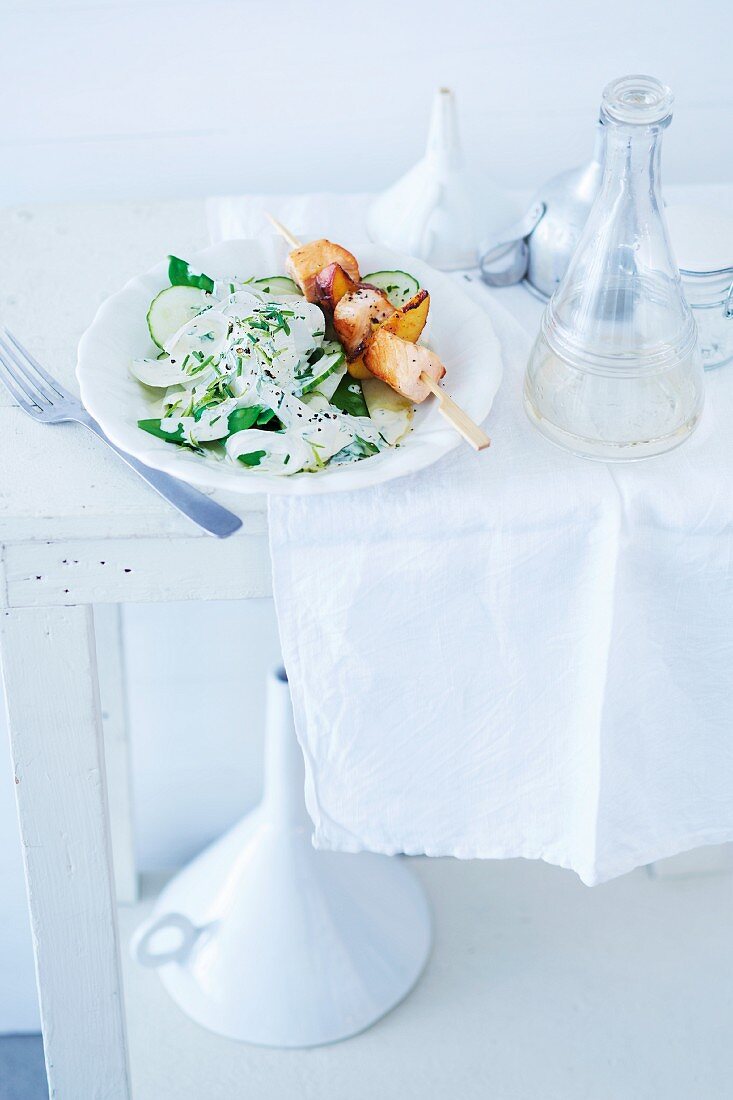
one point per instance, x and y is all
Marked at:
(140, 947)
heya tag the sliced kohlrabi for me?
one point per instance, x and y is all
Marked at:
(204, 337)
(162, 373)
(390, 412)
(172, 308)
(304, 319)
(283, 454)
(241, 304)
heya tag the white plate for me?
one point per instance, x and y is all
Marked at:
(458, 331)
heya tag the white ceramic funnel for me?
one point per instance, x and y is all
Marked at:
(428, 213)
(276, 943)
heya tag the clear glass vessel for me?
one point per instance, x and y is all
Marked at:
(615, 372)
(703, 245)
(710, 293)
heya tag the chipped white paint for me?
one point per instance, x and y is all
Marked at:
(43, 574)
(50, 678)
(112, 690)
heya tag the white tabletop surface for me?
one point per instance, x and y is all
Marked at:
(59, 263)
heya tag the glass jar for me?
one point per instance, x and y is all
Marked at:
(703, 244)
(615, 372)
(710, 293)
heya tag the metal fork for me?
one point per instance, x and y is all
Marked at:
(45, 399)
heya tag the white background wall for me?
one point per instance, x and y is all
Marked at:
(107, 99)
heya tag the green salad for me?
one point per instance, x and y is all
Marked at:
(246, 372)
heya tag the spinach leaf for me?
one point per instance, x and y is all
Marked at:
(180, 274)
(252, 459)
(349, 397)
(358, 448)
(254, 416)
(267, 419)
(154, 428)
(241, 419)
(365, 447)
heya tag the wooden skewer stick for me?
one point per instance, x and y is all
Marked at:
(455, 415)
(281, 229)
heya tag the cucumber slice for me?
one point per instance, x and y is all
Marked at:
(277, 284)
(172, 309)
(323, 368)
(327, 386)
(399, 286)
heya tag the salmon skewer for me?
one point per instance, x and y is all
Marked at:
(402, 365)
(304, 263)
(356, 309)
(356, 315)
(410, 369)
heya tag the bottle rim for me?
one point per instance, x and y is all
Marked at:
(637, 100)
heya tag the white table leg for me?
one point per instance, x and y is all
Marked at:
(112, 689)
(50, 675)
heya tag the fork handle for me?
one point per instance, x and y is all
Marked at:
(210, 516)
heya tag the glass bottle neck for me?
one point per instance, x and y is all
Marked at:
(621, 299)
(632, 159)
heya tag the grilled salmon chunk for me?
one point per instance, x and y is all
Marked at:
(304, 263)
(400, 364)
(356, 316)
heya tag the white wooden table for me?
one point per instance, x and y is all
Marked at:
(78, 529)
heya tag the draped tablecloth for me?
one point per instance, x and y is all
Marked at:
(516, 653)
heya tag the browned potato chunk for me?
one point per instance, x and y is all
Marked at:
(358, 368)
(304, 263)
(409, 321)
(331, 285)
(400, 364)
(356, 316)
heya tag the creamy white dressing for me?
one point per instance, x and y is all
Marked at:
(259, 352)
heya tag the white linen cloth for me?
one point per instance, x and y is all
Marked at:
(517, 653)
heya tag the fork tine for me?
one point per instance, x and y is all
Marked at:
(23, 398)
(55, 386)
(35, 388)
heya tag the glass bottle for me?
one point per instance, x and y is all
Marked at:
(615, 372)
